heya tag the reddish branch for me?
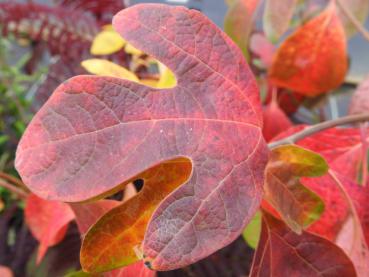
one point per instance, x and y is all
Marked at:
(320, 127)
(19, 192)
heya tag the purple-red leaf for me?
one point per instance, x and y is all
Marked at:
(95, 133)
(281, 252)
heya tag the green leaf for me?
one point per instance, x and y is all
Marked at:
(251, 234)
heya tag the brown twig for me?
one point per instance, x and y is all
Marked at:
(11, 179)
(20, 193)
(354, 20)
(320, 127)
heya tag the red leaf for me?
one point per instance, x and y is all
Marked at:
(5, 271)
(275, 121)
(95, 133)
(281, 252)
(135, 270)
(48, 221)
(313, 60)
(262, 48)
(341, 147)
(88, 214)
(288, 101)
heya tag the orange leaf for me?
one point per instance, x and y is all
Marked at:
(313, 60)
(126, 224)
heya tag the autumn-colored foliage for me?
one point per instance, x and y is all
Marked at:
(183, 137)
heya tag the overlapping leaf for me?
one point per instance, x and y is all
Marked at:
(281, 252)
(48, 221)
(98, 132)
(312, 60)
(297, 205)
(87, 215)
(341, 147)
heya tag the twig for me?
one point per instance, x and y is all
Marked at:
(11, 179)
(320, 127)
(353, 20)
(20, 193)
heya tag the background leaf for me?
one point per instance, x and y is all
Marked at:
(48, 221)
(277, 17)
(312, 60)
(238, 22)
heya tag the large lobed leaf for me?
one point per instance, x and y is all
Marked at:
(313, 60)
(98, 132)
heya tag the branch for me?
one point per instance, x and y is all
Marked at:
(353, 20)
(20, 193)
(320, 127)
(12, 179)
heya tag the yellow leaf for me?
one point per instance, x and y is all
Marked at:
(129, 49)
(107, 42)
(107, 68)
(167, 78)
(149, 82)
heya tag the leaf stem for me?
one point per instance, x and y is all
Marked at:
(353, 20)
(20, 193)
(320, 127)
